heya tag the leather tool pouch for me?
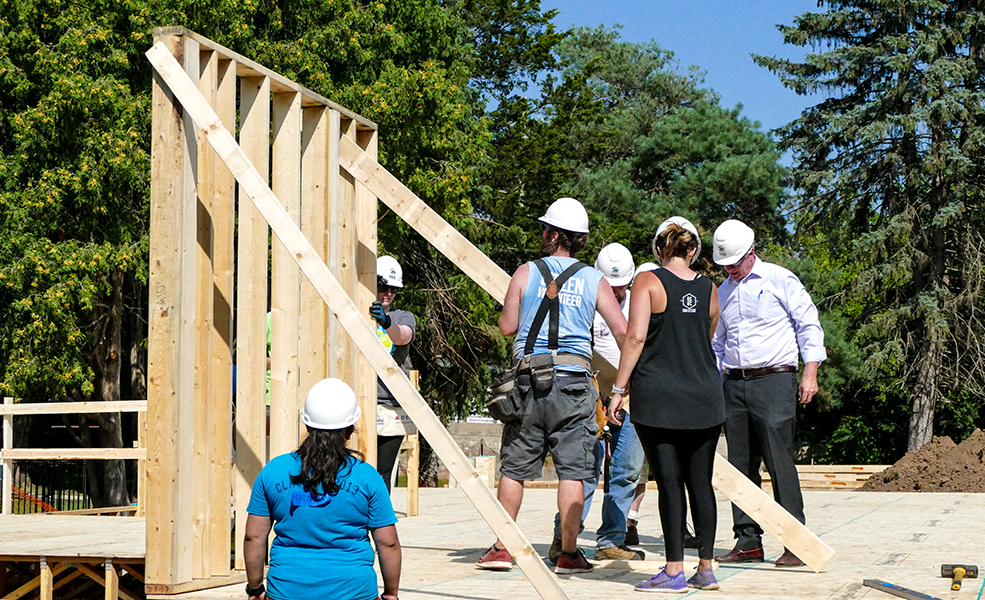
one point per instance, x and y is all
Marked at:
(542, 372)
(505, 401)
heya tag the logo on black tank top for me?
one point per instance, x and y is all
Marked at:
(690, 303)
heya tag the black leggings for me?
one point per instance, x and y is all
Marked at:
(683, 457)
(387, 449)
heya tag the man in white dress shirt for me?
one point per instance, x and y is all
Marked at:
(765, 315)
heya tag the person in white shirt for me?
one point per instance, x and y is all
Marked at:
(766, 314)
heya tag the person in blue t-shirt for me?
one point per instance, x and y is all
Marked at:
(322, 502)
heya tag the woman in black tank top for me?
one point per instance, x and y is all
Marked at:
(678, 405)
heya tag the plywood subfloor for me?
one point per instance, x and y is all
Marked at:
(72, 536)
(899, 538)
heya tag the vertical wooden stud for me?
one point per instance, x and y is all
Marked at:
(314, 224)
(342, 260)
(285, 278)
(204, 281)
(414, 461)
(220, 406)
(251, 302)
(7, 464)
(335, 333)
(112, 581)
(171, 340)
(364, 295)
(141, 466)
(47, 580)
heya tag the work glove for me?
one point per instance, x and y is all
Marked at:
(376, 311)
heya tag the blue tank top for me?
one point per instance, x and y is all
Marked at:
(577, 311)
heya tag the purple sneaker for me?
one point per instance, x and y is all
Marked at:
(662, 582)
(703, 580)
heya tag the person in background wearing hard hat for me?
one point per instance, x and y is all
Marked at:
(615, 262)
(554, 355)
(766, 315)
(323, 503)
(678, 404)
(395, 328)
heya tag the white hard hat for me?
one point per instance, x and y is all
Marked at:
(647, 266)
(331, 404)
(389, 269)
(615, 261)
(732, 241)
(567, 214)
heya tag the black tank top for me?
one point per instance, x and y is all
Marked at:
(676, 384)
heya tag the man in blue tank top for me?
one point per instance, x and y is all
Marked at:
(554, 377)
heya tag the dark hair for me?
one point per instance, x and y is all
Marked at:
(675, 238)
(571, 241)
(322, 454)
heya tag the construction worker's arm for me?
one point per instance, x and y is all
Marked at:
(401, 334)
(509, 319)
(607, 306)
(255, 549)
(639, 322)
(388, 549)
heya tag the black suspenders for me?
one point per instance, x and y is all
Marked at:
(549, 303)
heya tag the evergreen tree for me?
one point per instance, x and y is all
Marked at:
(888, 170)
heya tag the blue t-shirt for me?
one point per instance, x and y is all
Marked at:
(575, 315)
(321, 549)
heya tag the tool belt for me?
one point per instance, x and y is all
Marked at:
(506, 404)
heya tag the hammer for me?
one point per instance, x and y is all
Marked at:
(957, 573)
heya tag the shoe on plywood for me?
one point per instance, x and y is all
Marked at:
(575, 562)
(555, 551)
(662, 582)
(741, 556)
(496, 559)
(703, 580)
(619, 553)
(788, 559)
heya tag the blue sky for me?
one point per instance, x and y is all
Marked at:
(715, 35)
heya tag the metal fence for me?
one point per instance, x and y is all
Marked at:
(49, 486)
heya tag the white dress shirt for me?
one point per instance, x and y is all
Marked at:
(764, 318)
(605, 342)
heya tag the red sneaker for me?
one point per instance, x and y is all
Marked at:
(495, 559)
(568, 564)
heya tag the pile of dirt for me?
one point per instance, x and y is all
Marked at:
(939, 466)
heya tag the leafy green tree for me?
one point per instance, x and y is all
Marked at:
(888, 169)
(660, 145)
(74, 135)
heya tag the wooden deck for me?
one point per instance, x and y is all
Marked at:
(57, 537)
(73, 555)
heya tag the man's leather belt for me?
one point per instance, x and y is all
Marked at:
(747, 373)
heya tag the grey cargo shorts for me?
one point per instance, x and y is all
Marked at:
(561, 422)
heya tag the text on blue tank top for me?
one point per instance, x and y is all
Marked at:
(576, 301)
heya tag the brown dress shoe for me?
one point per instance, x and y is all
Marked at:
(788, 559)
(741, 556)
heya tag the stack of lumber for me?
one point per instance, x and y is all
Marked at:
(832, 477)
